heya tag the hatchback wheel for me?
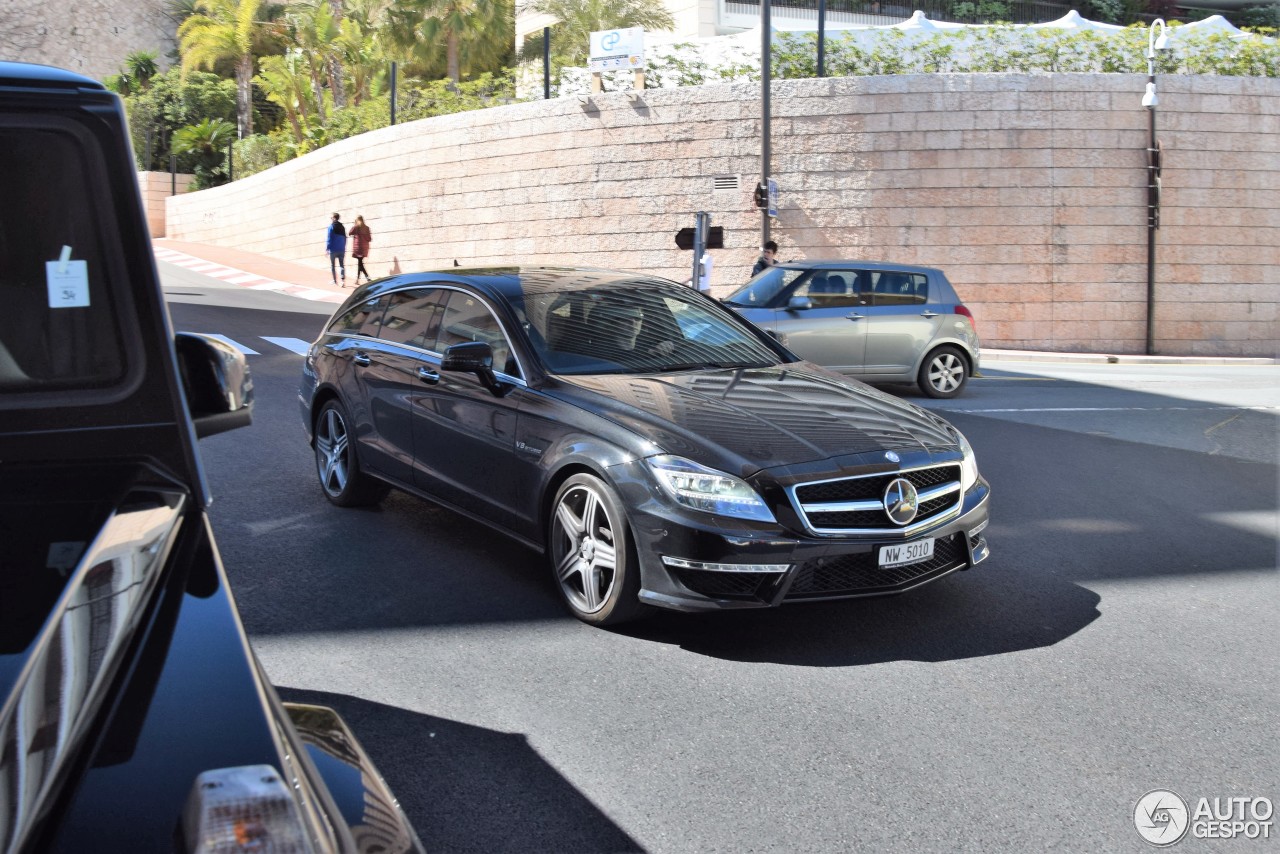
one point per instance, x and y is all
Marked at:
(592, 555)
(337, 466)
(943, 373)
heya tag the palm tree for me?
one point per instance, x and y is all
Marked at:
(207, 141)
(284, 80)
(141, 65)
(474, 33)
(310, 26)
(579, 18)
(225, 30)
(335, 59)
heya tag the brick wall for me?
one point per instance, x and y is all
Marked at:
(1028, 190)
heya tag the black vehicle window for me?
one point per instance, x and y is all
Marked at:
(467, 318)
(893, 288)
(363, 319)
(60, 328)
(413, 317)
(637, 328)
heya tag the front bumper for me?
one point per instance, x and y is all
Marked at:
(778, 566)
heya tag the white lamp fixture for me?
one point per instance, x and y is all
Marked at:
(1149, 98)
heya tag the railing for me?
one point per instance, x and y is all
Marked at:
(881, 12)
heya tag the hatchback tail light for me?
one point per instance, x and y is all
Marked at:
(960, 309)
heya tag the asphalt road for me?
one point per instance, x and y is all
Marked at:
(1121, 638)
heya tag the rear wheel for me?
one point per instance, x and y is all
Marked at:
(944, 372)
(337, 466)
(592, 555)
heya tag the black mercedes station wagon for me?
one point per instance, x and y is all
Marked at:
(134, 715)
(661, 450)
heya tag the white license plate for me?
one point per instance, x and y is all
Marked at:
(905, 553)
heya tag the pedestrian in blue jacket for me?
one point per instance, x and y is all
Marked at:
(335, 243)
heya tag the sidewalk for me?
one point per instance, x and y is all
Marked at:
(257, 272)
(260, 272)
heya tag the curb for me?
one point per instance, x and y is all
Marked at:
(996, 355)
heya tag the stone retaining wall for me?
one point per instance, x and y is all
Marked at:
(90, 37)
(1029, 190)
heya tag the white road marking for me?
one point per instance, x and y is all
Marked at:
(293, 345)
(225, 340)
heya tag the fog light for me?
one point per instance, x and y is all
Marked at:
(981, 527)
(681, 563)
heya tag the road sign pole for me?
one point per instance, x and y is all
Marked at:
(701, 222)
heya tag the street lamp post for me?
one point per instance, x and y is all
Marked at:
(766, 85)
(1149, 100)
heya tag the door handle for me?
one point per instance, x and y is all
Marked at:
(854, 316)
(361, 359)
(927, 313)
(428, 376)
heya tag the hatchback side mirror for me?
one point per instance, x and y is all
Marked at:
(217, 382)
(474, 357)
(799, 304)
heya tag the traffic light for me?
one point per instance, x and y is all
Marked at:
(761, 196)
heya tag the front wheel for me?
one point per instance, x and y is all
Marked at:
(343, 481)
(592, 555)
(944, 373)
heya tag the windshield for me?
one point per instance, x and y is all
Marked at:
(641, 328)
(764, 288)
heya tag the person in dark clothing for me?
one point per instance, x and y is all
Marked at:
(767, 258)
(335, 243)
(360, 240)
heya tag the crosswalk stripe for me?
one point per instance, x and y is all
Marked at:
(295, 345)
(225, 340)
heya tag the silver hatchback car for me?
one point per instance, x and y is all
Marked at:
(876, 321)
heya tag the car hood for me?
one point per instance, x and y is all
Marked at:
(758, 418)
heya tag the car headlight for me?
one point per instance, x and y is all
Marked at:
(968, 465)
(700, 488)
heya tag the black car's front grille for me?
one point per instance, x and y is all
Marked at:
(729, 585)
(854, 575)
(811, 496)
(873, 486)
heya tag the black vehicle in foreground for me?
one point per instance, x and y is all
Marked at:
(660, 449)
(134, 716)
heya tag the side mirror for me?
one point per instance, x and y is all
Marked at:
(474, 357)
(799, 304)
(216, 379)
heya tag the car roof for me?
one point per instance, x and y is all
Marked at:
(861, 265)
(517, 282)
(26, 74)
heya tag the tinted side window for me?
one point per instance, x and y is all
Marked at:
(363, 319)
(890, 288)
(59, 328)
(466, 318)
(413, 317)
(832, 289)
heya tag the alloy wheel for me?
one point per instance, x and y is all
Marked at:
(331, 452)
(583, 548)
(946, 372)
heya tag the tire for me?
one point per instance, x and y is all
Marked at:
(337, 466)
(592, 555)
(944, 373)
